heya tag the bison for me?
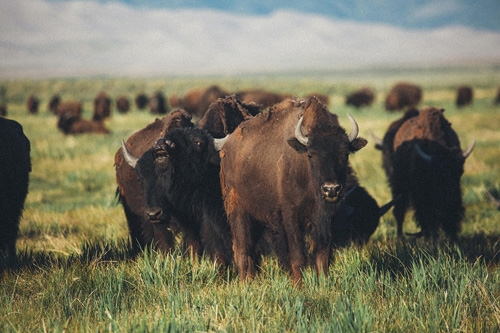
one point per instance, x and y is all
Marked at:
(402, 95)
(196, 101)
(102, 107)
(427, 166)
(15, 166)
(142, 232)
(225, 114)
(496, 101)
(360, 98)
(141, 101)
(285, 171)
(32, 104)
(3, 110)
(262, 97)
(53, 103)
(73, 108)
(158, 103)
(181, 186)
(465, 94)
(70, 124)
(122, 104)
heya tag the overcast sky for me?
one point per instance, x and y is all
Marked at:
(51, 38)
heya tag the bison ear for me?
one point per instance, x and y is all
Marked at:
(357, 144)
(295, 144)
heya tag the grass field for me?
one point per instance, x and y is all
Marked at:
(75, 272)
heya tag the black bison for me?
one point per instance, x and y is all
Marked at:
(122, 104)
(402, 95)
(3, 110)
(427, 165)
(180, 184)
(496, 101)
(141, 101)
(465, 94)
(386, 145)
(359, 215)
(102, 107)
(360, 98)
(285, 170)
(142, 232)
(225, 114)
(32, 104)
(15, 166)
(262, 97)
(53, 103)
(158, 103)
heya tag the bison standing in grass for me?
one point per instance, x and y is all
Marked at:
(402, 95)
(15, 166)
(102, 107)
(465, 94)
(32, 104)
(360, 98)
(285, 171)
(427, 164)
(122, 104)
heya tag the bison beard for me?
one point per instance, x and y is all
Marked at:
(180, 182)
(277, 178)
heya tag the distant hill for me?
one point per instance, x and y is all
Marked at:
(479, 14)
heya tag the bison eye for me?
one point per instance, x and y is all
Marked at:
(198, 143)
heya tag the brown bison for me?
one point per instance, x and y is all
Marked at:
(262, 97)
(102, 107)
(73, 108)
(158, 103)
(32, 104)
(15, 166)
(285, 171)
(196, 101)
(141, 101)
(70, 124)
(496, 101)
(360, 98)
(465, 94)
(225, 114)
(122, 104)
(401, 95)
(427, 165)
(142, 231)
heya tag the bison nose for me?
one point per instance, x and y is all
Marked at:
(154, 215)
(331, 192)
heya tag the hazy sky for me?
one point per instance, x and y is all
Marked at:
(49, 38)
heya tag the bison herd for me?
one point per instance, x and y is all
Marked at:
(236, 176)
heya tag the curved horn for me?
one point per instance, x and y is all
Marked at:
(378, 142)
(218, 143)
(131, 160)
(298, 132)
(426, 157)
(469, 149)
(354, 131)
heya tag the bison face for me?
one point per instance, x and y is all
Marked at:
(177, 165)
(327, 149)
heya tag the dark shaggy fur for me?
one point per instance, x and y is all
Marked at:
(465, 94)
(360, 98)
(402, 95)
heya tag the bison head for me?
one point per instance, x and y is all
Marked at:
(174, 168)
(327, 147)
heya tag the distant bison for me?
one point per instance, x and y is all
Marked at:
(285, 171)
(32, 104)
(196, 101)
(465, 94)
(15, 166)
(403, 94)
(225, 114)
(262, 97)
(53, 103)
(158, 103)
(102, 107)
(142, 232)
(427, 167)
(496, 101)
(141, 101)
(122, 104)
(73, 108)
(360, 98)
(3, 110)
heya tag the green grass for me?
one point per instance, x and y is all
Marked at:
(75, 271)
